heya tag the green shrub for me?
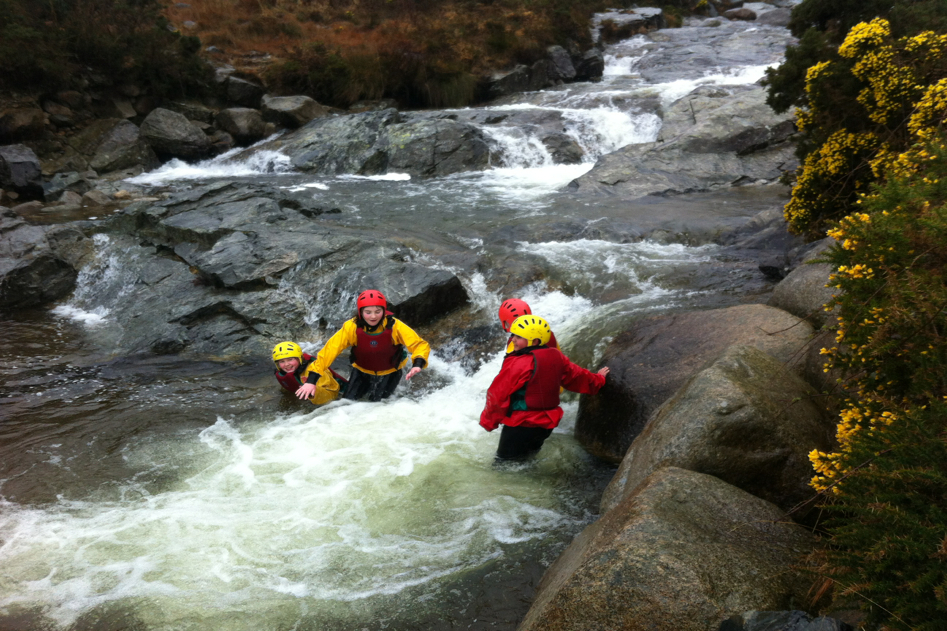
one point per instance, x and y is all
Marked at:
(888, 479)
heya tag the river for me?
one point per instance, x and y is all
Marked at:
(161, 492)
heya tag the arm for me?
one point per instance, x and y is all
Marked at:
(578, 379)
(419, 349)
(343, 339)
(515, 373)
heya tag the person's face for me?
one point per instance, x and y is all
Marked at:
(290, 364)
(372, 315)
(519, 343)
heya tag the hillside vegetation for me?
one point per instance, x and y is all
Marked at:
(418, 52)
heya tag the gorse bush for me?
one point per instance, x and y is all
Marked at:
(44, 44)
(856, 119)
(888, 477)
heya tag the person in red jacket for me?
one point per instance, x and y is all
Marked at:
(513, 308)
(524, 396)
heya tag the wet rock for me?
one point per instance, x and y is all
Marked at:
(61, 182)
(122, 147)
(20, 171)
(340, 144)
(782, 621)
(373, 105)
(776, 17)
(540, 74)
(435, 148)
(96, 198)
(244, 124)
(22, 123)
(292, 111)
(563, 148)
(70, 198)
(31, 274)
(654, 358)
(562, 68)
(171, 135)
(192, 111)
(741, 13)
(613, 26)
(745, 419)
(715, 136)
(504, 83)
(59, 115)
(804, 293)
(682, 553)
(590, 66)
(244, 93)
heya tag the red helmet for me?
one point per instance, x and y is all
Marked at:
(512, 309)
(371, 298)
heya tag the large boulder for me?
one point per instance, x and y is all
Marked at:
(782, 621)
(590, 66)
(172, 135)
(436, 147)
(715, 136)
(340, 144)
(806, 289)
(20, 171)
(615, 25)
(561, 67)
(292, 111)
(31, 274)
(122, 147)
(244, 124)
(242, 92)
(745, 419)
(654, 358)
(681, 554)
(508, 82)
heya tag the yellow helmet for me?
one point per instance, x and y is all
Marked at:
(531, 328)
(284, 350)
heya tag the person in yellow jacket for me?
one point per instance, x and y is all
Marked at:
(294, 372)
(381, 347)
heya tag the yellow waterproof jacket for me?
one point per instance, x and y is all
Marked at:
(346, 337)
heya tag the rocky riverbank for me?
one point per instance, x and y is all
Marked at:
(708, 414)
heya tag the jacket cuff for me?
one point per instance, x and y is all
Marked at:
(418, 363)
(313, 378)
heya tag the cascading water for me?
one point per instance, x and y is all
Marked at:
(162, 494)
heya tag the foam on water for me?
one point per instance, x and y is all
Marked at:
(88, 318)
(745, 75)
(349, 502)
(224, 165)
(386, 177)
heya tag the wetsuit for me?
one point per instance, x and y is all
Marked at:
(524, 398)
(378, 355)
(327, 382)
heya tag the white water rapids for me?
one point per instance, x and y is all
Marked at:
(353, 515)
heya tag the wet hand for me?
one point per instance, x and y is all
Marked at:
(306, 391)
(604, 371)
(412, 373)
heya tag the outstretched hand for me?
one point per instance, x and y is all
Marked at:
(604, 371)
(306, 391)
(415, 370)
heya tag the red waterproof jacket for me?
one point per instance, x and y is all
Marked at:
(533, 376)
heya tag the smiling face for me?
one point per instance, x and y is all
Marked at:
(519, 343)
(372, 315)
(290, 364)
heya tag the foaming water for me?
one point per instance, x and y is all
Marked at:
(224, 165)
(746, 75)
(352, 502)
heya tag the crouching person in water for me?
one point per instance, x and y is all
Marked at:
(294, 371)
(524, 397)
(381, 346)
